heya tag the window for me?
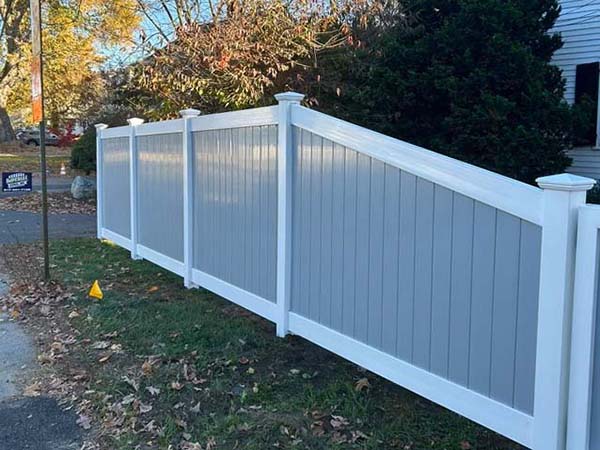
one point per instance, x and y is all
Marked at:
(587, 84)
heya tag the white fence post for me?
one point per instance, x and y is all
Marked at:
(188, 199)
(284, 208)
(99, 186)
(133, 175)
(563, 195)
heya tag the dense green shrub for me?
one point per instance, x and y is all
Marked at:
(468, 78)
(83, 154)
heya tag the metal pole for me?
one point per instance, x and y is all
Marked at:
(44, 199)
(37, 94)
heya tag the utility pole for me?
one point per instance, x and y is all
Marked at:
(37, 97)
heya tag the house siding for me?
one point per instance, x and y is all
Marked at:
(579, 26)
(585, 163)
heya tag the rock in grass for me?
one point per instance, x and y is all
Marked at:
(82, 188)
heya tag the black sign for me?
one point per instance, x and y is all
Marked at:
(16, 182)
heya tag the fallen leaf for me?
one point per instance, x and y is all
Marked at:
(176, 385)
(147, 367)
(131, 382)
(196, 408)
(144, 408)
(100, 345)
(190, 446)
(153, 391)
(338, 422)
(128, 399)
(105, 358)
(33, 390)
(73, 314)
(153, 289)
(84, 422)
(362, 384)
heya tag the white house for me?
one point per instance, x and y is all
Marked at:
(579, 59)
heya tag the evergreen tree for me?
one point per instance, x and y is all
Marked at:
(468, 78)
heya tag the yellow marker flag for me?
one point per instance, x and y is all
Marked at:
(95, 291)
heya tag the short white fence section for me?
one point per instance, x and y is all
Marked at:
(584, 395)
(442, 277)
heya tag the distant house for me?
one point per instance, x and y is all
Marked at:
(579, 59)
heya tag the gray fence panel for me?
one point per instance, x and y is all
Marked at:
(425, 274)
(160, 193)
(235, 207)
(115, 170)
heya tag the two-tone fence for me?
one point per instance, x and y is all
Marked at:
(447, 279)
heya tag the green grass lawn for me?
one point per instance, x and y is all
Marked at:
(31, 163)
(225, 380)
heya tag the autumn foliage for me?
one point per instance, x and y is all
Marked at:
(247, 49)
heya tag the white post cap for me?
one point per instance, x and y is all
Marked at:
(185, 113)
(566, 182)
(134, 121)
(289, 97)
(101, 126)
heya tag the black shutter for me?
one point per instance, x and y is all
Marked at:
(587, 83)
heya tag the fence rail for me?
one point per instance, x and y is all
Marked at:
(445, 278)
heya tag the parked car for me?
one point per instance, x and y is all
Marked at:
(32, 137)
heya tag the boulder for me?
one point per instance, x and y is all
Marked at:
(82, 188)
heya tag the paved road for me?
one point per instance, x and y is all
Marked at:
(37, 423)
(28, 423)
(19, 227)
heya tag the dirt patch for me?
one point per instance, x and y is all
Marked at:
(58, 203)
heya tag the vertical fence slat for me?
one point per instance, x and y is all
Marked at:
(504, 312)
(350, 234)
(529, 281)
(484, 245)
(406, 266)
(461, 289)
(423, 273)
(391, 261)
(363, 229)
(337, 242)
(441, 276)
(325, 308)
(376, 243)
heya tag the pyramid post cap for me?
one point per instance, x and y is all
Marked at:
(566, 182)
(101, 126)
(134, 121)
(190, 112)
(289, 97)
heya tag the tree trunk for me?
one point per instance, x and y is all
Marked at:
(7, 133)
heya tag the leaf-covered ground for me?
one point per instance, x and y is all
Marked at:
(156, 366)
(58, 203)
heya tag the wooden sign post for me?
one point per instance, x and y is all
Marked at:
(37, 97)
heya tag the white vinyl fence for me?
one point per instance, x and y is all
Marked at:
(442, 277)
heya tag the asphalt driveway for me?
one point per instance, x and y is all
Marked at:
(19, 227)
